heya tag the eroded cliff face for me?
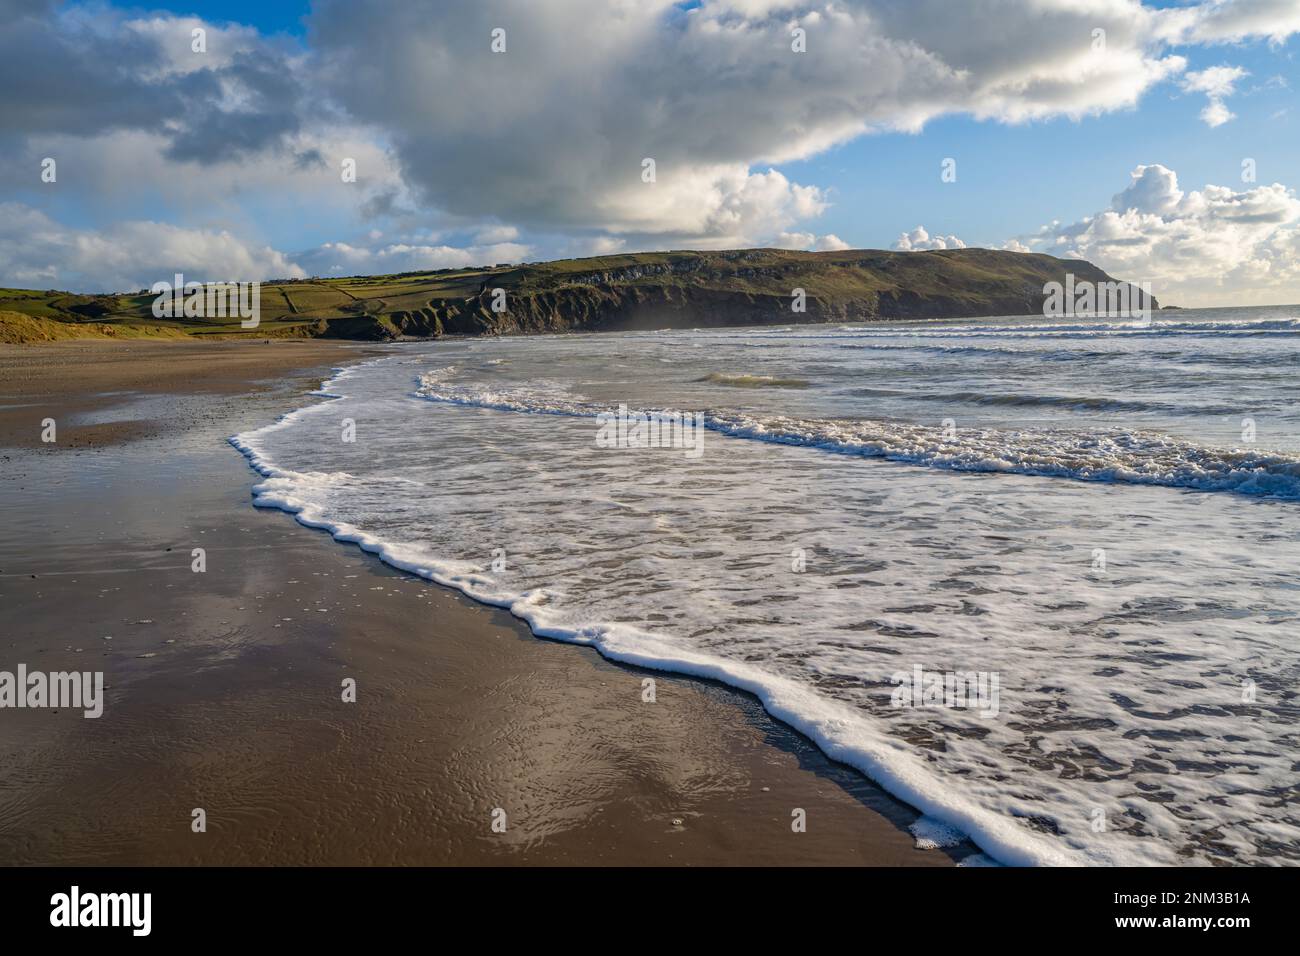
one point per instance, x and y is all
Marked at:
(692, 293)
(596, 309)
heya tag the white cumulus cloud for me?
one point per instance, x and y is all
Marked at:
(919, 240)
(37, 252)
(1218, 245)
(340, 258)
(1217, 83)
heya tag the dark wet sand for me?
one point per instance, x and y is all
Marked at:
(224, 687)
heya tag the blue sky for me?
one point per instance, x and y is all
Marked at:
(279, 16)
(1014, 178)
(229, 161)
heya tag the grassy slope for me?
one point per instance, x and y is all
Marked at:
(17, 329)
(958, 282)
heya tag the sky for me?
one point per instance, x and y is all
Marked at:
(1160, 141)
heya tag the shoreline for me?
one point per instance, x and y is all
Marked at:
(461, 709)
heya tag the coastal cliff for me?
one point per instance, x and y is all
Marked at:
(636, 291)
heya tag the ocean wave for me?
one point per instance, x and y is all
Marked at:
(1063, 329)
(984, 351)
(1137, 457)
(1091, 403)
(741, 380)
(1122, 457)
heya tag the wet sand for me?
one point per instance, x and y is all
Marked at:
(224, 687)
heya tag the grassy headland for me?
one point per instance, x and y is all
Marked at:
(646, 290)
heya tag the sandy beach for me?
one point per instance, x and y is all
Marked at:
(223, 688)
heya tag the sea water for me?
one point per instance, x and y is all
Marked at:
(1096, 518)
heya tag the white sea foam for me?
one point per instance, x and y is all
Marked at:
(933, 835)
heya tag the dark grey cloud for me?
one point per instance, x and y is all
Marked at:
(98, 72)
(62, 81)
